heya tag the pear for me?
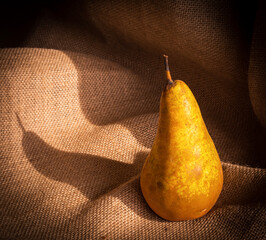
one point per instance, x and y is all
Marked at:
(182, 176)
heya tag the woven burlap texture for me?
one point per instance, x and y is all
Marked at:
(79, 111)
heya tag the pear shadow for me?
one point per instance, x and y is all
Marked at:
(92, 175)
(96, 176)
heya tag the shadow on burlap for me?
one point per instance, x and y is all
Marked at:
(79, 109)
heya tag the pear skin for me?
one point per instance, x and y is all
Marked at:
(182, 176)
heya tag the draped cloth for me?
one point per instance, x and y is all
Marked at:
(80, 90)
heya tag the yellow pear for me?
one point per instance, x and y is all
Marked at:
(182, 176)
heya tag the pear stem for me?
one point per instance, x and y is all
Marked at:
(167, 71)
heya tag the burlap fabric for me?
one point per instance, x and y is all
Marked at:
(80, 89)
